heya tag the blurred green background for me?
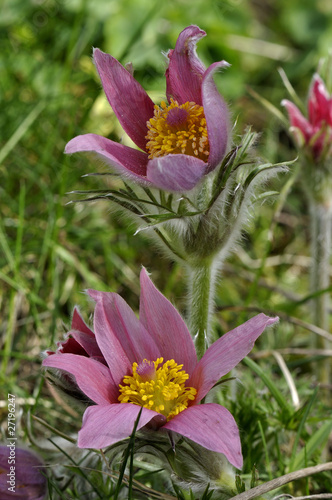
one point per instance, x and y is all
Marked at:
(50, 251)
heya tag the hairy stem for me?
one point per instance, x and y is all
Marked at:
(321, 226)
(201, 281)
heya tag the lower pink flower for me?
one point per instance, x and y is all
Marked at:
(152, 364)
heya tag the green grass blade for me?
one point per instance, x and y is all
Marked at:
(21, 130)
(72, 260)
(290, 89)
(300, 429)
(318, 439)
(79, 469)
(126, 456)
(281, 400)
(19, 234)
(6, 249)
(267, 459)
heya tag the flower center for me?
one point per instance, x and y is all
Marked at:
(178, 129)
(158, 386)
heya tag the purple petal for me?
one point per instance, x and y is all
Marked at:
(185, 70)
(166, 325)
(226, 353)
(128, 99)
(121, 337)
(92, 377)
(297, 120)
(106, 425)
(211, 426)
(124, 159)
(217, 116)
(176, 172)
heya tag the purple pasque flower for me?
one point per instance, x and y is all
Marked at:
(180, 141)
(152, 363)
(315, 132)
(21, 474)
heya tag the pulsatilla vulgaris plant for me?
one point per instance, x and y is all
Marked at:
(313, 137)
(315, 132)
(186, 185)
(148, 367)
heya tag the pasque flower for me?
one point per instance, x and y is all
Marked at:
(315, 133)
(152, 363)
(314, 138)
(21, 474)
(182, 139)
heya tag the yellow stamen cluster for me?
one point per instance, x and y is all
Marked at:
(163, 392)
(178, 129)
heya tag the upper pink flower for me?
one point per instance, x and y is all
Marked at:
(314, 132)
(152, 363)
(180, 141)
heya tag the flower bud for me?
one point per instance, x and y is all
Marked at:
(21, 474)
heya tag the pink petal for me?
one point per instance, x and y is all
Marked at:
(297, 119)
(126, 160)
(211, 426)
(185, 70)
(88, 343)
(71, 346)
(106, 425)
(78, 323)
(329, 120)
(217, 116)
(82, 334)
(166, 326)
(128, 99)
(176, 172)
(92, 377)
(121, 337)
(226, 353)
(318, 103)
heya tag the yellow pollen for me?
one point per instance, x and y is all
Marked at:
(178, 129)
(163, 391)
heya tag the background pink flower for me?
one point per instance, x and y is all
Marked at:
(131, 347)
(314, 132)
(180, 141)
